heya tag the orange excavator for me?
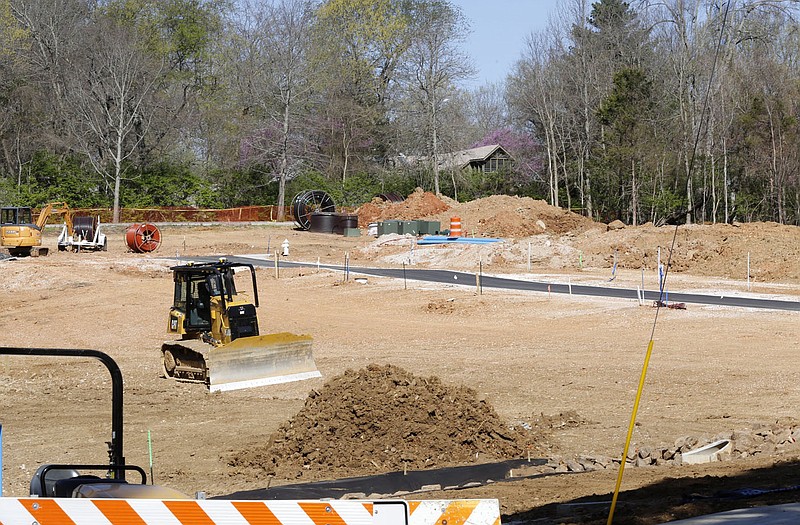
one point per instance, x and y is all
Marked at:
(23, 237)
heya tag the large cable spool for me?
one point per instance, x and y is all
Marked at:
(143, 238)
(332, 222)
(390, 197)
(308, 202)
(343, 222)
(83, 228)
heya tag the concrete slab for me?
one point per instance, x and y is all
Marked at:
(788, 514)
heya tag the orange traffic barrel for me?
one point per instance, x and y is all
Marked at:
(143, 238)
(455, 227)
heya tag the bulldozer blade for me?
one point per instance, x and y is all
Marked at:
(261, 360)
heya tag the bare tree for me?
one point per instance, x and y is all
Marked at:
(12, 37)
(487, 109)
(536, 95)
(109, 91)
(434, 64)
(55, 29)
(275, 83)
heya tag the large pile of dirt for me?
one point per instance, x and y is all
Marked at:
(418, 205)
(495, 216)
(509, 216)
(382, 419)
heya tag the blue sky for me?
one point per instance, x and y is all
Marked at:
(499, 30)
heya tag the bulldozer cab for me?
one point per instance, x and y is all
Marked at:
(206, 292)
(194, 298)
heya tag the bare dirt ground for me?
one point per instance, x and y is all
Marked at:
(565, 368)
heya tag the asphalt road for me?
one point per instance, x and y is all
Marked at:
(468, 279)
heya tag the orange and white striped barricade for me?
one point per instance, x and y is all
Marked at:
(80, 511)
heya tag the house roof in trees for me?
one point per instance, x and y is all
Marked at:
(485, 158)
(474, 157)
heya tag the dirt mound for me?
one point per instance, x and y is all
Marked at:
(710, 249)
(495, 216)
(418, 205)
(382, 419)
(509, 216)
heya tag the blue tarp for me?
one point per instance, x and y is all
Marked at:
(441, 239)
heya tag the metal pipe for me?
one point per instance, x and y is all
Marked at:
(115, 446)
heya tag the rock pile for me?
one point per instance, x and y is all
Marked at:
(778, 438)
(383, 419)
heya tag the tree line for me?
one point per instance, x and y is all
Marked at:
(667, 110)
(648, 110)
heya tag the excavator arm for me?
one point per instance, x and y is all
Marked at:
(55, 208)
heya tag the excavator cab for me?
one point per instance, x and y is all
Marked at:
(220, 343)
(15, 216)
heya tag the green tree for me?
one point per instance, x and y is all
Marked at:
(624, 115)
(433, 65)
(11, 33)
(168, 184)
(49, 178)
(180, 35)
(358, 45)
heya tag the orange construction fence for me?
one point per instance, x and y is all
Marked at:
(188, 214)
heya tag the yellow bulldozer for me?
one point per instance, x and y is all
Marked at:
(220, 344)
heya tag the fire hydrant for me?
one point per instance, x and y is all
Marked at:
(285, 246)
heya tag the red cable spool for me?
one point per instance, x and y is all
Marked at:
(143, 238)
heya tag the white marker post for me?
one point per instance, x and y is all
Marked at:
(748, 271)
(529, 257)
(658, 268)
